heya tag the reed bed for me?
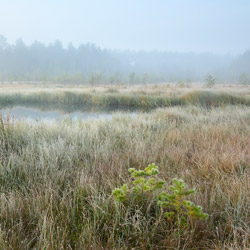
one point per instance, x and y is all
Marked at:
(116, 99)
(56, 180)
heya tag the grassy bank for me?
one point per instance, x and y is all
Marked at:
(113, 99)
(56, 180)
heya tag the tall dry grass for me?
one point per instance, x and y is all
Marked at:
(56, 179)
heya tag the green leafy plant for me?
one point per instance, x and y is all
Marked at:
(174, 205)
(142, 183)
(178, 208)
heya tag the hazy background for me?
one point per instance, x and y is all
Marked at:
(154, 40)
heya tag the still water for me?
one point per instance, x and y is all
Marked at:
(49, 115)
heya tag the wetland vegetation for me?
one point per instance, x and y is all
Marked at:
(57, 179)
(125, 125)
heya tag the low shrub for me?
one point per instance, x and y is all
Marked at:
(143, 188)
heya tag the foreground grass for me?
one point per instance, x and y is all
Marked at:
(56, 180)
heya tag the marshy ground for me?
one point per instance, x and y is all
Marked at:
(56, 180)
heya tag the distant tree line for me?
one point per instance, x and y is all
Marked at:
(89, 64)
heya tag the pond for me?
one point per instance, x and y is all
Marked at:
(33, 114)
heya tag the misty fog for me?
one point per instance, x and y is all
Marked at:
(124, 41)
(91, 64)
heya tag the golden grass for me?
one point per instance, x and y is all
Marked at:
(56, 179)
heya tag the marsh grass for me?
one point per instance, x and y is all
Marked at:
(112, 98)
(56, 180)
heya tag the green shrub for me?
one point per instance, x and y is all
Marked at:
(174, 205)
(179, 209)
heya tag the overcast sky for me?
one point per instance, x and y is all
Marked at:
(218, 26)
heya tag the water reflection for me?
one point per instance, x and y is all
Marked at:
(47, 113)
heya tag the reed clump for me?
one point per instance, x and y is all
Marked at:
(116, 99)
(211, 99)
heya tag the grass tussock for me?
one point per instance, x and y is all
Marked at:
(112, 98)
(56, 180)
